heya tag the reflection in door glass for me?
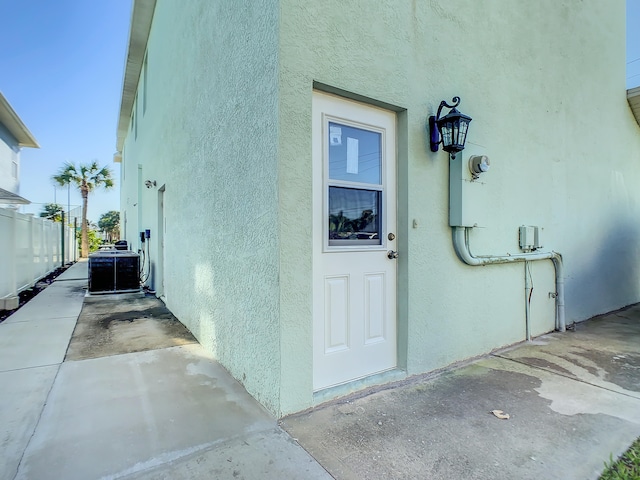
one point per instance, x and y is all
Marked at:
(354, 154)
(354, 216)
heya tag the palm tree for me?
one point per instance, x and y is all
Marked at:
(109, 223)
(85, 178)
(52, 211)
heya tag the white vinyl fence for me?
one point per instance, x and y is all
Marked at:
(30, 248)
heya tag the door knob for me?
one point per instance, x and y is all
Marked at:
(391, 254)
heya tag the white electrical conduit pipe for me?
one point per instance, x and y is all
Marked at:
(461, 246)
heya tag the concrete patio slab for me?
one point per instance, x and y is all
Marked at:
(51, 303)
(570, 408)
(77, 271)
(172, 412)
(163, 413)
(583, 355)
(113, 326)
(568, 397)
(22, 396)
(443, 428)
(69, 284)
(126, 302)
(34, 343)
(123, 414)
(266, 455)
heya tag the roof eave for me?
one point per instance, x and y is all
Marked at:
(633, 97)
(10, 119)
(141, 18)
(9, 198)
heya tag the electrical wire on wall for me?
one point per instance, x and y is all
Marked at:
(146, 258)
(528, 290)
(528, 265)
(141, 270)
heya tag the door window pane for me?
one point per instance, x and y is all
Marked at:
(354, 216)
(355, 155)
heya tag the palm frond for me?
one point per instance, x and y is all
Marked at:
(67, 174)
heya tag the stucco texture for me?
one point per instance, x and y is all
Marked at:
(228, 132)
(544, 83)
(208, 135)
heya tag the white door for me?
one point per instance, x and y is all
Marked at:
(354, 221)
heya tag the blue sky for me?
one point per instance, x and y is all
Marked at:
(62, 64)
(633, 43)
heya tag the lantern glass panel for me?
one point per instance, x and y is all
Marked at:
(445, 132)
(464, 125)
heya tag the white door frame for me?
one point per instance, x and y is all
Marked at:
(353, 283)
(160, 276)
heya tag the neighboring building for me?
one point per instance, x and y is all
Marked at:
(277, 150)
(633, 96)
(13, 136)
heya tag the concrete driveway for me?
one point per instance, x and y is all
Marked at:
(117, 388)
(573, 400)
(131, 395)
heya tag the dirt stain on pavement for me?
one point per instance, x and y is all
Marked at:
(112, 326)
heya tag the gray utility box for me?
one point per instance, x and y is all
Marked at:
(114, 271)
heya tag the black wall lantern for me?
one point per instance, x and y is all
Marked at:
(450, 130)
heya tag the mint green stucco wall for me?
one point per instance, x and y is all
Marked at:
(209, 135)
(544, 83)
(227, 131)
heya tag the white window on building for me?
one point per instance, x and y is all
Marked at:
(14, 169)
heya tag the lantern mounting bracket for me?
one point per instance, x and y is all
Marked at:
(456, 102)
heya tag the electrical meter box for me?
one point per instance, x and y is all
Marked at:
(468, 196)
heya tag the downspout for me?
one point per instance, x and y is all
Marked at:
(461, 246)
